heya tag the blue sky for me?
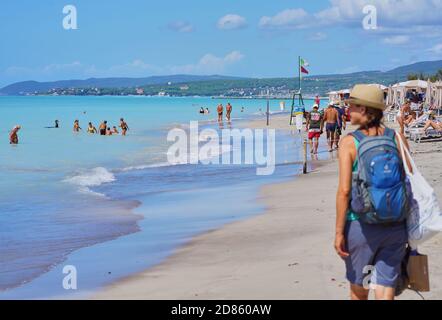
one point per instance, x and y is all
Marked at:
(136, 38)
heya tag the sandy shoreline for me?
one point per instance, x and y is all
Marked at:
(285, 253)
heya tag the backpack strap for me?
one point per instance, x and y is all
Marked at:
(389, 133)
(358, 135)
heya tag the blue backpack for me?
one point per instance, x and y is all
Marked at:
(379, 190)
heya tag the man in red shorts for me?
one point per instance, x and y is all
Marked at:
(314, 124)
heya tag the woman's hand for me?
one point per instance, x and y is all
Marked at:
(340, 246)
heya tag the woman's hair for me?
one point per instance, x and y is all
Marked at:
(374, 118)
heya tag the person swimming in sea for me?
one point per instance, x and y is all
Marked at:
(124, 127)
(13, 136)
(55, 125)
(91, 128)
(115, 130)
(103, 127)
(202, 110)
(77, 127)
(108, 131)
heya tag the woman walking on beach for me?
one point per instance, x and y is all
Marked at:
(371, 202)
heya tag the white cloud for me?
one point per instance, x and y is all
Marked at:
(180, 26)
(231, 22)
(45, 71)
(397, 40)
(437, 49)
(209, 63)
(287, 19)
(318, 36)
(390, 14)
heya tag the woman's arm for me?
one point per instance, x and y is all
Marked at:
(343, 194)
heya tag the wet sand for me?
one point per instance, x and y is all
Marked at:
(284, 253)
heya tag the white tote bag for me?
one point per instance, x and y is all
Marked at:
(425, 218)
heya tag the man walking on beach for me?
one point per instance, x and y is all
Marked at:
(341, 124)
(314, 127)
(331, 119)
(13, 137)
(228, 111)
(220, 110)
(317, 101)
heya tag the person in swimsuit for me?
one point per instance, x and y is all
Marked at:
(108, 131)
(357, 242)
(124, 127)
(405, 116)
(202, 110)
(207, 111)
(13, 136)
(228, 111)
(56, 124)
(341, 124)
(433, 123)
(220, 110)
(115, 130)
(331, 118)
(77, 127)
(91, 129)
(102, 128)
(317, 101)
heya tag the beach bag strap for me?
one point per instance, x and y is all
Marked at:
(406, 155)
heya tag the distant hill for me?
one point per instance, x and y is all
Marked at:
(425, 67)
(25, 87)
(219, 85)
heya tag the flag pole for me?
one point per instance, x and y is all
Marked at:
(299, 72)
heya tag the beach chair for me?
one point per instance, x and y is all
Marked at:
(417, 134)
(416, 124)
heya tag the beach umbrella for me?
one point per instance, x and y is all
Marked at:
(390, 96)
(428, 93)
(395, 91)
(402, 92)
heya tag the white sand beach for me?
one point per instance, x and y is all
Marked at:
(284, 253)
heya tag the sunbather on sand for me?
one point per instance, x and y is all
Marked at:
(405, 116)
(436, 125)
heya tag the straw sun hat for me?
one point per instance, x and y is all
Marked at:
(367, 96)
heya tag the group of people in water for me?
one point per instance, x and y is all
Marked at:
(220, 111)
(333, 118)
(103, 129)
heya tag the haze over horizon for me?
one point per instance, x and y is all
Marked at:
(139, 39)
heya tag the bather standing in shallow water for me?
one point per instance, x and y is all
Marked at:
(13, 136)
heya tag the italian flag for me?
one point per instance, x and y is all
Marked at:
(303, 64)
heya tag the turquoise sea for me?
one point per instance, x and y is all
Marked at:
(112, 205)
